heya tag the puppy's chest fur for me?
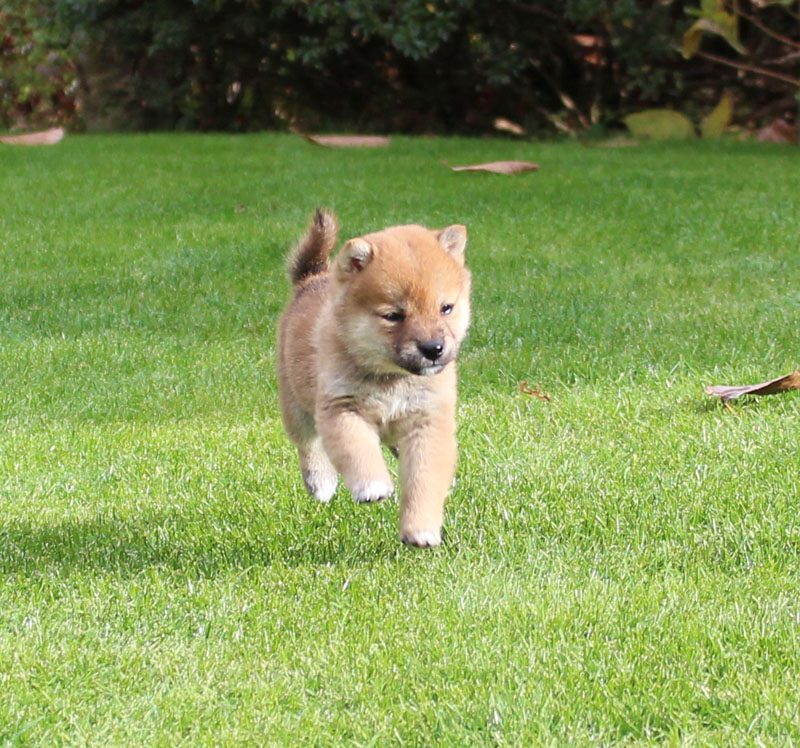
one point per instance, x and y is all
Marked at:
(386, 405)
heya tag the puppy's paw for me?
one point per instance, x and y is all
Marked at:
(421, 538)
(369, 491)
(320, 485)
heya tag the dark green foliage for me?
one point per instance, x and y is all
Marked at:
(371, 65)
(412, 65)
(36, 76)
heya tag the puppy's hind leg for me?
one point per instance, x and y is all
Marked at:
(319, 474)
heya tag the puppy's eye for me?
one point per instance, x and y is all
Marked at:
(394, 316)
(447, 308)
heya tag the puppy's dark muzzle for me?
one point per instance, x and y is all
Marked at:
(431, 349)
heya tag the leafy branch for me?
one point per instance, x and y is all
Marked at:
(722, 19)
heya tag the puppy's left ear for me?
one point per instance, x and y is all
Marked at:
(454, 240)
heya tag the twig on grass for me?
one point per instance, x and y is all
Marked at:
(535, 391)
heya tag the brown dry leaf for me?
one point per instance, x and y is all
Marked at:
(588, 40)
(535, 391)
(506, 125)
(774, 386)
(497, 167)
(349, 141)
(778, 131)
(43, 137)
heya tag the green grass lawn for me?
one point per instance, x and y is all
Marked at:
(621, 564)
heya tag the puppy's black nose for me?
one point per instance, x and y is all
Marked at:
(431, 349)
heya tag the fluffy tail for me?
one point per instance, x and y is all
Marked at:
(310, 255)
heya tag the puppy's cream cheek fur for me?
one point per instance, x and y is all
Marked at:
(367, 343)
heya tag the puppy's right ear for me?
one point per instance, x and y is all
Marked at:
(354, 257)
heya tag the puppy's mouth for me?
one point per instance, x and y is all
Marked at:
(412, 360)
(430, 370)
(424, 368)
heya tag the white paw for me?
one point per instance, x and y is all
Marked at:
(372, 490)
(421, 538)
(320, 486)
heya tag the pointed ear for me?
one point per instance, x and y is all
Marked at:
(354, 257)
(454, 240)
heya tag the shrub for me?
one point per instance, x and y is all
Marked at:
(407, 65)
(399, 65)
(37, 78)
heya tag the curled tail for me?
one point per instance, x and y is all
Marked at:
(310, 255)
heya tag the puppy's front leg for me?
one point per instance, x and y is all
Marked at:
(354, 448)
(427, 466)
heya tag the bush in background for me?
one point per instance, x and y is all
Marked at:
(38, 80)
(408, 65)
(380, 65)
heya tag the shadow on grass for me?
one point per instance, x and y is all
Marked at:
(739, 405)
(190, 546)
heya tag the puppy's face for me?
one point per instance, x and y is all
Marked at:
(403, 299)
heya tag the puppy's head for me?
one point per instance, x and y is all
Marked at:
(403, 299)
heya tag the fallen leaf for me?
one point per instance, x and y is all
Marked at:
(349, 141)
(659, 124)
(773, 387)
(778, 131)
(535, 391)
(716, 123)
(497, 167)
(43, 137)
(506, 125)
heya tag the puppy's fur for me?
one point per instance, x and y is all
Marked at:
(366, 354)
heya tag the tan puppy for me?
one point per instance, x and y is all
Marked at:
(366, 354)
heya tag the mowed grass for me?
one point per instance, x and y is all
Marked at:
(621, 564)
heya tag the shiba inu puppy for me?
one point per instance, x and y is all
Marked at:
(367, 350)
